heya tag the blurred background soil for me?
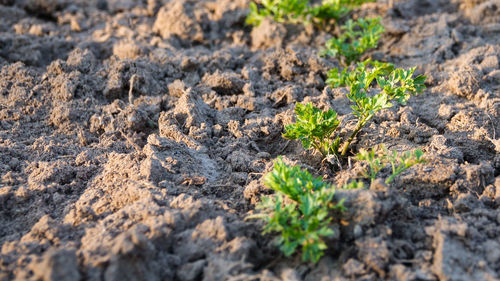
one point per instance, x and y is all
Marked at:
(134, 135)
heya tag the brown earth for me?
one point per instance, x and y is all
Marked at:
(134, 134)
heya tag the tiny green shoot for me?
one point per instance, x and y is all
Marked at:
(376, 161)
(354, 185)
(314, 128)
(301, 11)
(379, 157)
(289, 11)
(402, 161)
(357, 37)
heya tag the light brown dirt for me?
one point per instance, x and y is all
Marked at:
(105, 177)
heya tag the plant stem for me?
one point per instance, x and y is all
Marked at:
(389, 179)
(346, 145)
(319, 148)
(360, 125)
(393, 176)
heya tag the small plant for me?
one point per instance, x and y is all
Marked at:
(402, 161)
(317, 129)
(357, 37)
(354, 185)
(299, 210)
(394, 84)
(379, 157)
(376, 161)
(292, 11)
(300, 11)
(314, 128)
(329, 9)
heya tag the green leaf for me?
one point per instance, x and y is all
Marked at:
(301, 11)
(306, 205)
(354, 185)
(379, 157)
(357, 37)
(394, 84)
(303, 222)
(313, 127)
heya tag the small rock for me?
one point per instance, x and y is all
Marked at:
(191, 271)
(127, 49)
(357, 231)
(465, 82)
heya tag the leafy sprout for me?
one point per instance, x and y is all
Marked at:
(301, 11)
(314, 128)
(379, 157)
(376, 162)
(318, 129)
(357, 37)
(329, 9)
(299, 210)
(292, 11)
(402, 161)
(354, 185)
(395, 84)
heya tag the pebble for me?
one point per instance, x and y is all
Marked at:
(264, 155)
(357, 231)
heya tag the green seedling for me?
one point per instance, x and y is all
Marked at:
(357, 37)
(299, 210)
(354, 185)
(290, 11)
(329, 9)
(333, 10)
(379, 157)
(394, 84)
(301, 11)
(375, 159)
(402, 161)
(314, 128)
(317, 129)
